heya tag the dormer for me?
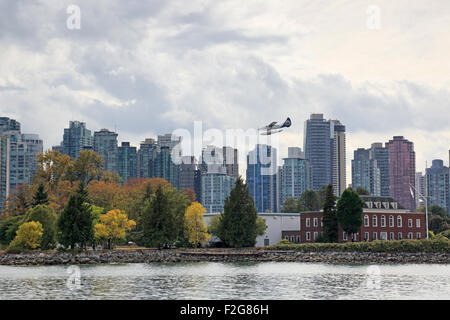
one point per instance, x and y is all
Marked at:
(369, 204)
(386, 205)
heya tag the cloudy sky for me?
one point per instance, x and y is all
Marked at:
(150, 67)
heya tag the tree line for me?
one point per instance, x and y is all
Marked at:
(76, 204)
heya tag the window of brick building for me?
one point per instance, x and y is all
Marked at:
(391, 236)
(375, 236)
(316, 222)
(383, 221)
(366, 220)
(308, 236)
(417, 223)
(391, 221)
(374, 221)
(410, 235)
(410, 223)
(308, 222)
(366, 236)
(344, 236)
(399, 221)
(400, 236)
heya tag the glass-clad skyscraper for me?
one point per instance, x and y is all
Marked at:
(76, 138)
(438, 184)
(262, 177)
(127, 161)
(295, 175)
(105, 144)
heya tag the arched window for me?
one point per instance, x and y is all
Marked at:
(374, 221)
(391, 221)
(399, 221)
(383, 221)
(366, 220)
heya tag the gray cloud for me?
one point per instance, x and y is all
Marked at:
(152, 67)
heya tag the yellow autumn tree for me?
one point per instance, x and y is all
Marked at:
(28, 236)
(195, 226)
(113, 227)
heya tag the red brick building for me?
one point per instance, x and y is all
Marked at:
(380, 221)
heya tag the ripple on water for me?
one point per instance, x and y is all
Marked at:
(271, 280)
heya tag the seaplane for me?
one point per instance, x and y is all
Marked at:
(274, 127)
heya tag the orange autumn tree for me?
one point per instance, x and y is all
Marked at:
(190, 194)
(135, 192)
(103, 194)
(113, 227)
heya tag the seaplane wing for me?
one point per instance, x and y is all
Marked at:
(270, 126)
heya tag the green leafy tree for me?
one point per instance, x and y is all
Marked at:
(158, 221)
(434, 210)
(28, 236)
(322, 194)
(75, 222)
(47, 217)
(238, 224)
(261, 226)
(178, 203)
(291, 205)
(309, 201)
(87, 167)
(40, 197)
(330, 221)
(362, 191)
(349, 210)
(8, 229)
(214, 225)
(136, 212)
(437, 224)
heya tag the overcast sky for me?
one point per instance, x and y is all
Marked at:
(150, 67)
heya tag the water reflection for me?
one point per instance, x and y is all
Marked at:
(270, 281)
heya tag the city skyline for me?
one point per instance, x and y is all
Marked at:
(217, 151)
(282, 153)
(203, 63)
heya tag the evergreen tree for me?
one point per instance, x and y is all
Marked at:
(75, 221)
(40, 197)
(238, 223)
(349, 211)
(330, 222)
(158, 221)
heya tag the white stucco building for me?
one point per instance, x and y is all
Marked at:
(276, 224)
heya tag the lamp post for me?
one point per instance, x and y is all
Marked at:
(426, 204)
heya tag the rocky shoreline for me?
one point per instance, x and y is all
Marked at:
(223, 255)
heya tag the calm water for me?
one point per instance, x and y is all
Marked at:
(226, 281)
